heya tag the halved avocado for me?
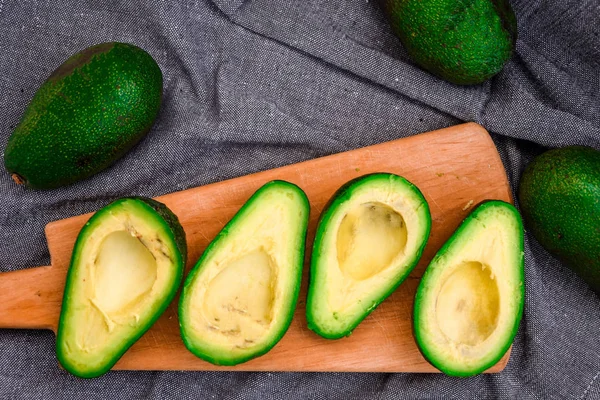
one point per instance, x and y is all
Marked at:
(239, 299)
(126, 267)
(369, 238)
(470, 300)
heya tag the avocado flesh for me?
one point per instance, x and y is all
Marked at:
(239, 299)
(125, 269)
(559, 196)
(470, 300)
(93, 109)
(369, 238)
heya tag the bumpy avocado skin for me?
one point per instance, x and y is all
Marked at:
(559, 195)
(93, 109)
(171, 221)
(463, 42)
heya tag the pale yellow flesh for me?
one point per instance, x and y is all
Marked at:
(468, 304)
(123, 271)
(470, 292)
(239, 300)
(369, 238)
(242, 290)
(373, 237)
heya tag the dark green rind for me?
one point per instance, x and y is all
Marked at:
(171, 219)
(343, 194)
(463, 42)
(225, 359)
(559, 195)
(174, 228)
(439, 364)
(93, 109)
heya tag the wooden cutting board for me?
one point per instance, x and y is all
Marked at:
(455, 168)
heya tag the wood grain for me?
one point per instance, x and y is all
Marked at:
(455, 168)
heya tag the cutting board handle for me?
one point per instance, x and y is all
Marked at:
(28, 298)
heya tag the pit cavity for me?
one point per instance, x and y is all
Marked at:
(468, 304)
(370, 236)
(125, 272)
(239, 300)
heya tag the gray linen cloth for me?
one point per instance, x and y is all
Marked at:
(257, 84)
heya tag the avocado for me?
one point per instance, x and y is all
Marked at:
(559, 195)
(93, 109)
(126, 267)
(239, 299)
(369, 238)
(469, 302)
(463, 42)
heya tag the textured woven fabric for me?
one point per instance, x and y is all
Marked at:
(252, 85)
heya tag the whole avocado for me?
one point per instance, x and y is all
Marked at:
(463, 42)
(91, 110)
(559, 194)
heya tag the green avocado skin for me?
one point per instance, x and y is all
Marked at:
(464, 42)
(559, 195)
(171, 220)
(93, 109)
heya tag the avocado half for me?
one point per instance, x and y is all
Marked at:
(239, 299)
(126, 267)
(470, 300)
(369, 238)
